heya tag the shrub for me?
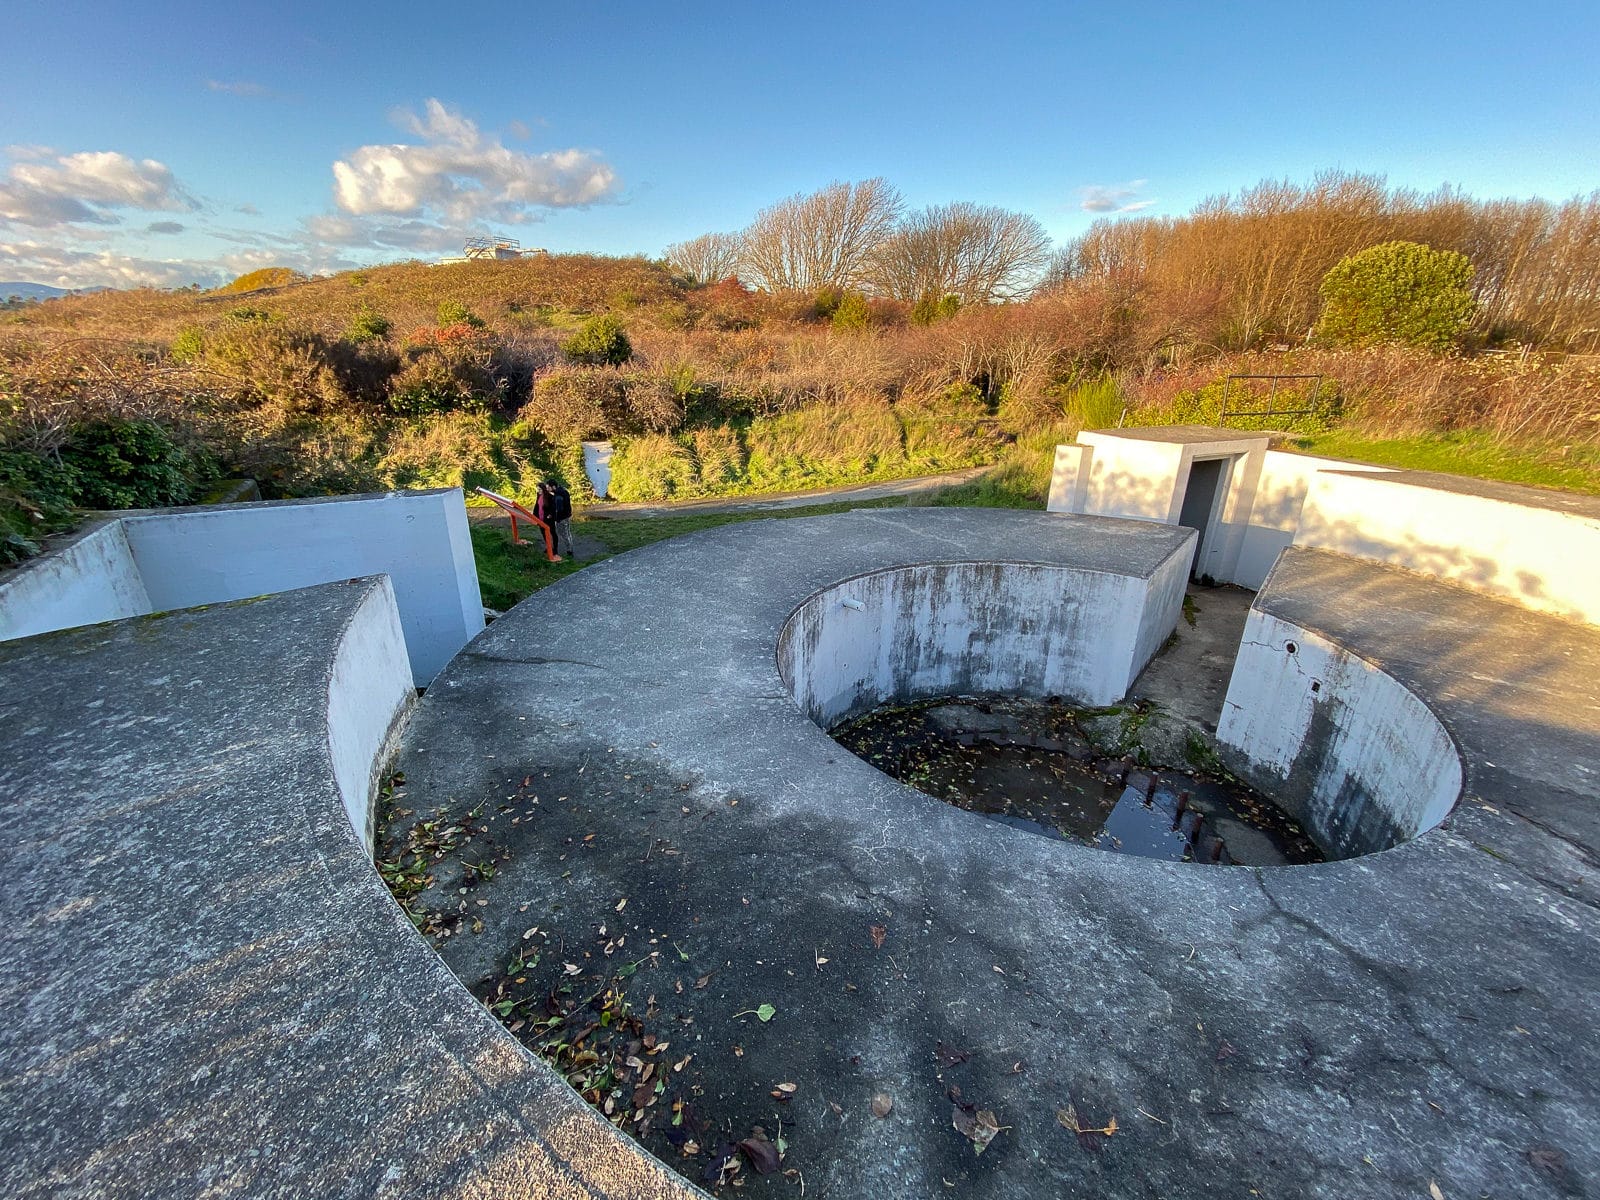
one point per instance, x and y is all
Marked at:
(653, 404)
(188, 345)
(600, 342)
(453, 312)
(367, 326)
(1398, 292)
(577, 404)
(852, 313)
(132, 464)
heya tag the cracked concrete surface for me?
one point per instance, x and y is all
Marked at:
(1354, 1029)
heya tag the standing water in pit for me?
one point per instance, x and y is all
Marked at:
(1029, 764)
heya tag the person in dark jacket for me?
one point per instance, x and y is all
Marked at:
(555, 510)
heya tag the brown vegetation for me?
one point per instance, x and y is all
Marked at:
(488, 372)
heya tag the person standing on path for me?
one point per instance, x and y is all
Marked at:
(555, 510)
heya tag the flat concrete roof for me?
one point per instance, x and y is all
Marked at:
(1575, 503)
(654, 799)
(1184, 435)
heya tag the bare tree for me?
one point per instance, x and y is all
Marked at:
(977, 252)
(826, 239)
(707, 258)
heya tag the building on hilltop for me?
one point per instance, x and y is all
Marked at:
(493, 249)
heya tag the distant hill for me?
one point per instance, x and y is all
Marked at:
(30, 291)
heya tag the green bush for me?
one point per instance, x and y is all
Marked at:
(453, 312)
(1398, 292)
(853, 313)
(132, 464)
(600, 342)
(188, 346)
(367, 326)
(932, 307)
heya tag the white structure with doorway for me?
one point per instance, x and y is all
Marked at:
(1248, 503)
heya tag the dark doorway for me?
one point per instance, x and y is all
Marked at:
(1200, 501)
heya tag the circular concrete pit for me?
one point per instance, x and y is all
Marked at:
(748, 927)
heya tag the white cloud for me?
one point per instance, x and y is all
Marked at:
(368, 233)
(68, 268)
(43, 189)
(460, 175)
(1113, 198)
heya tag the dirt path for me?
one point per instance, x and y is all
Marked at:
(607, 510)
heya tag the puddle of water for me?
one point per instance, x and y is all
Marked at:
(1025, 764)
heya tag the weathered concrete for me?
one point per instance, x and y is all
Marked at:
(1355, 1029)
(208, 991)
(939, 629)
(141, 561)
(1347, 749)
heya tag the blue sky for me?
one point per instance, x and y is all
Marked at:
(167, 142)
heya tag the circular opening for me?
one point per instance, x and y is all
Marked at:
(1350, 759)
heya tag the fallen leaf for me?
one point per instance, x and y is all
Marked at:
(783, 1092)
(691, 1148)
(1433, 1190)
(699, 984)
(879, 933)
(882, 1105)
(622, 904)
(572, 968)
(761, 1154)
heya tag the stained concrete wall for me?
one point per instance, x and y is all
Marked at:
(971, 628)
(90, 579)
(369, 691)
(1273, 513)
(179, 558)
(1540, 549)
(1358, 760)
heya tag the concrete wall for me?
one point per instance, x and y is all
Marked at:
(970, 628)
(1273, 514)
(1358, 760)
(1545, 558)
(91, 579)
(369, 693)
(179, 558)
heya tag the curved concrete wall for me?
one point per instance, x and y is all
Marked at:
(973, 627)
(1358, 760)
(369, 693)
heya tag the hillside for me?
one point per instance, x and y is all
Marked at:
(490, 373)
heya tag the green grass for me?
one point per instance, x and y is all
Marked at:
(1573, 469)
(508, 573)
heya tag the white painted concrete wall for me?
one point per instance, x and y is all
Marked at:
(180, 558)
(1273, 514)
(971, 628)
(1546, 559)
(1358, 759)
(369, 693)
(91, 579)
(1069, 479)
